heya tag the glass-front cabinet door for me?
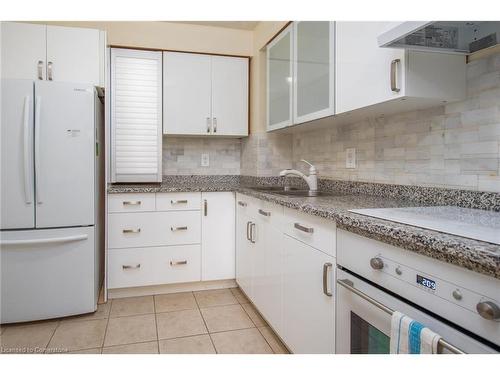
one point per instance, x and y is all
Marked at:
(313, 81)
(279, 80)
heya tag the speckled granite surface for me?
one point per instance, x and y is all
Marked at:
(181, 183)
(474, 255)
(478, 256)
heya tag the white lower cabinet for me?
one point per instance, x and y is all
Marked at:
(289, 279)
(153, 265)
(217, 238)
(163, 238)
(308, 301)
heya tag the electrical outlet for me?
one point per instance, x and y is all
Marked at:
(205, 160)
(350, 158)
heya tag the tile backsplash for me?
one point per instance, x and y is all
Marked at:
(452, 146)
(182, 156)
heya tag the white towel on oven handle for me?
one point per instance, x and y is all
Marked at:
(400, 336)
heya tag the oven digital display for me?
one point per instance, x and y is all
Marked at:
(425, 282)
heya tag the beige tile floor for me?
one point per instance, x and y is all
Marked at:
(215, 321)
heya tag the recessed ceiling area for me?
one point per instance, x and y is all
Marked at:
(241, 25)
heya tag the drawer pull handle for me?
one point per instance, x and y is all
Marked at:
(181, 201)
(174, 229)
(138, 230)
(264, 213)
(127, 267)
(303, 228)
(131, 203)
(326, 267)
(242, 204)
(178, 263)
(205, 207)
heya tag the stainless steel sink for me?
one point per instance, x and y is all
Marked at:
(291, 192)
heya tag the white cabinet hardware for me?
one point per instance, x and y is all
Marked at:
(180, 201)
(131, 203)
(326, 267)
(40, 69)
(178, 263)
(174, 229)
(49, 70)
(128, 267)
(394, 75)
(138, 230)
(303, 228)
(264, 213)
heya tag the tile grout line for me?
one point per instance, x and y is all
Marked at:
(156, 325)
(107, 324)
(205, 323)
(52, 336)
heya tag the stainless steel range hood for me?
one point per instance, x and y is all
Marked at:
(461, 37)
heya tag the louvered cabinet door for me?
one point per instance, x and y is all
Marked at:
(136, 115)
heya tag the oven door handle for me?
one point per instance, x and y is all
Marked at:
(349, 285)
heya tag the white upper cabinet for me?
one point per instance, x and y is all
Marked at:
(23, 51)
(205, 95)
(54, 53)
(187, 91)
(313, 74)
(73, 54)
(367, 75)
(279, 80)
(136, 116)
(229, 95)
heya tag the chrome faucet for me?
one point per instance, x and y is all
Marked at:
(312, 179)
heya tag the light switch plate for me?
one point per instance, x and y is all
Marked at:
(205, 160)
(350, 158)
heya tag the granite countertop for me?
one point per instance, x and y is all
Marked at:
(478, 256)
(475, 255)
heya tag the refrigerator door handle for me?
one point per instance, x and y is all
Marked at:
(27, 150)
(80, 237)
(38, 103)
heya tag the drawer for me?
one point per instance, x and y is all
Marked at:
(141, 229)
(268, 213)
(312, 230)
(247, 205)
(178, 201)
(131, 202)
(153, 265)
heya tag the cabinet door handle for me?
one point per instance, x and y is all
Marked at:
(242, 204)
(49, 70)
(326, 267)
(175, 229)
(178, 263)
(394, 75)
(208, 125)
(40, 69)
(303, 228)
(182, 201)
(131, 203)
(128, 267)
(248, 230)
(264, 213)
(138, 230)
(214, 125)
(205, 207)
(252, 232)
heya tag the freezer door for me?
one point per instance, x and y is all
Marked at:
(64, 154)
(47, 273)
(17, 179)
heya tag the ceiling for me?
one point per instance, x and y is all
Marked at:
(241, 25)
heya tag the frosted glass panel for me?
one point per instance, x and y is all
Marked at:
(279, 80)
(313, 66)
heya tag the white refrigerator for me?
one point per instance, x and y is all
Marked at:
(48, 241)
